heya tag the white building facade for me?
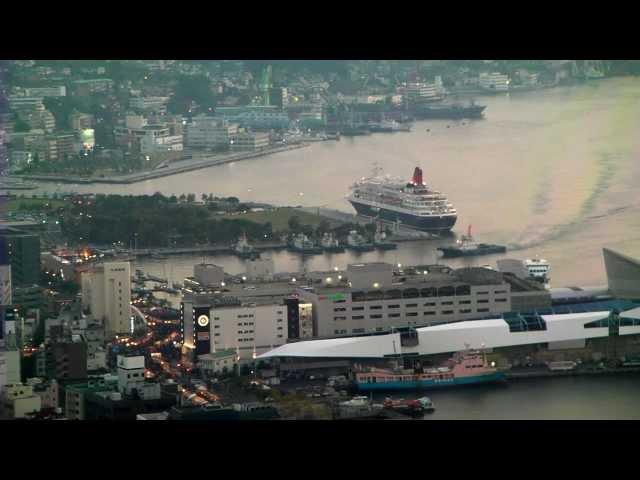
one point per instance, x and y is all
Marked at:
(106, 290)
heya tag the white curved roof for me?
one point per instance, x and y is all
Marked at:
(452, 337)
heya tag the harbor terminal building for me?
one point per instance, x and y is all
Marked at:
(374, 312)
(582, 324)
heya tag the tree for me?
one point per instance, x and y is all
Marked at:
(204, 197)
(191, 198)
(183, 197)
(294, 224)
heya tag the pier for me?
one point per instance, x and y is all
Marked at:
(147, 252)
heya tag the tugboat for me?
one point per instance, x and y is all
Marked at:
(356, 242)
(467, 247)
(379, 241)
(300, 243)
(330, 244)
(244, 250)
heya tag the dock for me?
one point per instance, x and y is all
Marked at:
(212, 248)
(544, 373)
(401, 233)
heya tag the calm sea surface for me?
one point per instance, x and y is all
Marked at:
(612, 397)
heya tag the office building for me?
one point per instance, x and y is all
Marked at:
(23, 251)
(19, 400)
(149, 104)
(106, 292)
(370, 298)
(81, 121)
(257, 117)
(208, 274)
(219, 362)
(253, 325)
(75, 395)
(496, 82)
(251, 141)
(210, 132)
(66, 360)
(46, 91)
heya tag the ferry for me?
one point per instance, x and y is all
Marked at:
(411, 203)
(466, 368)
(538, 269)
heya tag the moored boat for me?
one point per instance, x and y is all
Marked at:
(466, 368)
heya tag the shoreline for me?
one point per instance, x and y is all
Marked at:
(190, 165)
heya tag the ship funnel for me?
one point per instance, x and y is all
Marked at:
(417, 176)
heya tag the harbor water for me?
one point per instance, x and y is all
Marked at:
(606, 397)
(552, 173)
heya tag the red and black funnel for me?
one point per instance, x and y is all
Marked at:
(417, 176)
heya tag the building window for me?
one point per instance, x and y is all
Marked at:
(357, 317)
(394, 315)
(482, 293)
(447, 303)
(339, 318)
(430, 304)
(339, 309)
(466, 310)
(500, 291)
(411, 305)
(357, 330)
(447, 312)
(353, 309)
(464, 302)
(393, 306)
(483, 301)
(412, 314)
(279, 328)
(481, 310)
(375, 316)
(500, 299)
(375, 307)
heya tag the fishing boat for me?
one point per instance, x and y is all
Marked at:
(356, 242)
(300, 243)
(244, 250)
(330, 244)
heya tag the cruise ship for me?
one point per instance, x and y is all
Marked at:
(411, 203)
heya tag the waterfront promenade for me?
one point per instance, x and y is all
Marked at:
(172, 169)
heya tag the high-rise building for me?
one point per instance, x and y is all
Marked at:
(23, 252)
(106, 291)
(66, 360)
